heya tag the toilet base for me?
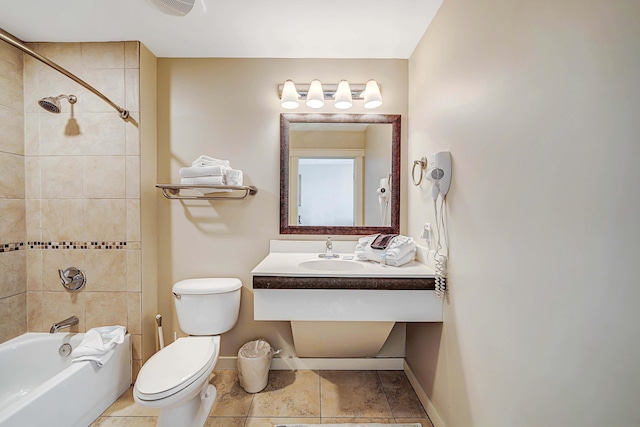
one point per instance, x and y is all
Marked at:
(195, 410)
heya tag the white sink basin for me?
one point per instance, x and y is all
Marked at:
(329, 265)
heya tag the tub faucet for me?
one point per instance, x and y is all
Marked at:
(329, 251)
(66, 323)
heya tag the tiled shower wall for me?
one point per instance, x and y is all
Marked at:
(82, 188)
(13, 296)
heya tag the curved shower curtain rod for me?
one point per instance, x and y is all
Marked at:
(6, 37)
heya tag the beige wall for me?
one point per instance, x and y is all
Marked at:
(83, 188)
(538, 103)
(13, 256)
(229, 108)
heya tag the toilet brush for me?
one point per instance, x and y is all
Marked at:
(160, 336)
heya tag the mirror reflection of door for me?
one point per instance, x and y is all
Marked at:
(328, 195)
(340, 195)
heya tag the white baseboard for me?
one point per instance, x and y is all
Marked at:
(337, 364)
(424, 398)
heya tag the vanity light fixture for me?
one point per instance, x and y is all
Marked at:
(315, 94)
(290, 96)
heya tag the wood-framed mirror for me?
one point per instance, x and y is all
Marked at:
(339, 174)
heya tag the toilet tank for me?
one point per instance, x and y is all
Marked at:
(207, 306)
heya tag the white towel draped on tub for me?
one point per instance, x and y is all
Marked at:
(98, 344)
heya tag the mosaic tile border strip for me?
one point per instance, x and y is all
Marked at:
(11, 247)
(77, 245)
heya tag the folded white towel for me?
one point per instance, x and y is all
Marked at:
(401, 250)
(210, 161)
(233, 176)
(98, 344)
(197, 171)
(204, 180)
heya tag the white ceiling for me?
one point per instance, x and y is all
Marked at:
(232, 28)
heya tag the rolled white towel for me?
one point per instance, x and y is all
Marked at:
(233, 176)
(197, 171)
(210, 161)
(203, 180)
(98, 344)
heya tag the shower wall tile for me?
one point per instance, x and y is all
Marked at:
(32, 134)
(10, 54)
(82, 184)
(103, 55)
(31, 73)
(13, 324)
(106, 270)
(134, 308)
(111, 84)
(13, 273)
(131, 55)
(105, 308)
(11, 86)
(12, 135)
(32, 177)
(61, 177)
(34, 269)
(11, 176)
(33, 219)
(53, 138)
(104, 177)
(57, 306)
(134, 269)
(34, 311)
(13, 225)
(61, 219)
(133, 220)
(67, 55)
(132, 89)
(132, 136)
(133, 177)
(104, 134)
(105, 219)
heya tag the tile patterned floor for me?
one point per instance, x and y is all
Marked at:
(292, 397)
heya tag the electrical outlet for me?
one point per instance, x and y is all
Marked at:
(426, 232)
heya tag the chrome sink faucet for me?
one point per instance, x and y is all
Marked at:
(66, 323)
(329, 251)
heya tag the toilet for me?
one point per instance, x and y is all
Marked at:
(176, 378)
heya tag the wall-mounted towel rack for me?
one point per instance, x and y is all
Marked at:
(173, 191)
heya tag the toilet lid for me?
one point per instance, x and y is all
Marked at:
(176, 366)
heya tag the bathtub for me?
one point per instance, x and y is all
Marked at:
(38, 387)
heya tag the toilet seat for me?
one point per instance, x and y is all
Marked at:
(177, 366)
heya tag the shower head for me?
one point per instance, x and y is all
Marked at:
(52, 103)
(174, 7)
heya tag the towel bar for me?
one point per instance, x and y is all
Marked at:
(172, 191)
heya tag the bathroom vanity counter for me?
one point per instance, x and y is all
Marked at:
(299, 261)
